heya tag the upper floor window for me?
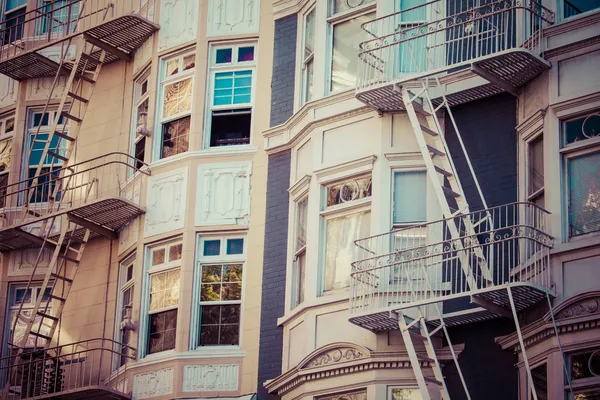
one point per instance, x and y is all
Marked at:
(346, 35)
(410, 208)
(535, 170)
(14, 19)
(175, 105)
(308, 55)
(575, 7)
(399, 393)
(584, 368)
(581, 168)
(7, 126)
(125, 310)
(299, 263)
(140, 118)
(231, 95)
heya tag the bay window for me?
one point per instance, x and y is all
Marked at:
(175, 106)
(347, 217)
(14, 19)
(231, 95)
(218, 290)
(581, 168)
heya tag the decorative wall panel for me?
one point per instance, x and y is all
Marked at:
(153, 384)
(21, 263)
(223, 193)
(211, 378)
(178, 21)
(8, 91)
(38, 89)
(166, 202)
(233, 17)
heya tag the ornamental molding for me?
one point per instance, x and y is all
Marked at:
(565, 109)
(532, 124)
(571, 24)
(343, 358)
(284, 8)
(153, 384)
(571, 47)
(211, 378)
(354, 167)
(578, 313)
(300, 188)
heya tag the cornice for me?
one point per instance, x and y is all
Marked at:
(572, 24)
(573, 103)
(299, 187)
(572, 47)
(360, 165)
(532, 123)
(283, 8)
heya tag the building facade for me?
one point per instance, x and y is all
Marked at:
(131, 130)
(432, 201)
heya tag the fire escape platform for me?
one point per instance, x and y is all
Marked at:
(495, 300)
(120, 37)
(104, 217)
(86, 393)
(506, 71)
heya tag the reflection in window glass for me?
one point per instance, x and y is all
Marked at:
(235, 246)
(176, 135)
(405, 394)
(212, 247)
(246, 54)
(163, 330)
(350, 190)
(536, 164)
(223, 56)
(583, 174)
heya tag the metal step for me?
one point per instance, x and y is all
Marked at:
(64, 278)
(56, 155)
(431, 379)
(64, 136)
(78, 98)
(443, 171)
(424, 357)
(40, 335)
(90, 58)
(44, 315)
(435, 151)
(57, 298)
(429, 131)
(71, 117)
(450, 192)
(70, 259)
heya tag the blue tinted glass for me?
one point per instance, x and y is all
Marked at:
(10, 4)
(223, 56)
(246, 54)
(223, 83)
(242, 99)
(37, 117)
(410, 191)
(223, 100)
(212, 247)
(235, 246)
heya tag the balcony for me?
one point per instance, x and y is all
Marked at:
(101, 194)
(500, 41)
(75, 371)
(118, 26)
(423, 264)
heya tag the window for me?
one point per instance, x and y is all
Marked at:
(218, 288)
(163, 279)
(176, 88)
(308, 56)
(7, 126)
(124, 310)
(345, 20)
(42, 124)
(584, 367)
(140, 119)
(396, 393)
(411, 56)
(347, 218)
(231, 94)
(575, 7)
(535, 170)
(59, 17)
(299, 265)
(14, 19)
(540, 381)
(581, 166)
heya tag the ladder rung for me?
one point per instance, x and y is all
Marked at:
(442, 171)
(429, 131)
(419, 108)
(31, 212)
(435, 151)
(40, 335)
(450, 192)
(70, 259)
(431, 379)
(56, 155)
(416, 335)
(90, 58)
(71, 117)
(55, 297)
(423, 357)
(44, 315)
(78, 75)
(79, 98)
(64, 136)
(64, 278)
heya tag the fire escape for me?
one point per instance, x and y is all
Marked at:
(63, 204)
(498, 257)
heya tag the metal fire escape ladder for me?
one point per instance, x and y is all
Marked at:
(445, 181)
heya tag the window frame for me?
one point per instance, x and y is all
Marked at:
(581, 385)
(123, 286)
(164, 81)
(220, 259)
(310, 59)
(233, 66)
(149, 270)
(13, 11)
(533, 196)
(298, 281)
(6, 137)
(138, 99)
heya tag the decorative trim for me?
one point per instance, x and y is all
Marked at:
(532, 124)
(562, 108)
(572, 24)
(558, 51)
(153, 384)
(336, 353)
(299, 188)
(354, 167)
(211, 378)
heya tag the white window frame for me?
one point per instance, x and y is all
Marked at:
(357, 206)
(123, 286)
(298, 281)
(222, 258)
(233, 66)
(539, 193)
(149, 270)
(164, 81)
(138, 99)
(335, 19)
(310, 59)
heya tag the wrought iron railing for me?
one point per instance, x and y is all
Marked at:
(58, 20)
(67, 368)
(438, 36)
(61, 188)
(424, 263)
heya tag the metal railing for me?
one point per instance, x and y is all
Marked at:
(61, 188)
(438, 36)
(71, 367)
(62, 19)
(423, 264)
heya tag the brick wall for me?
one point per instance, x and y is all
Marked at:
(274, 269)
(284, 65)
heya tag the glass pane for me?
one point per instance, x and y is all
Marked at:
(175, 137)
(536, 165)
(574, 7)
(175, 252)
(301, 223)
(589, 395)
(299, 275)
(5, 153)
(353, 189)
(232, 273)
(540, 381)
(229, 334)
(235, 246)
(223, 56)
(406, 394)
(212, 247)
(211, 315)
(144, 87)
(309, 34)
(209, 335)
(158, 282)
(172, 288)
(309, 77)
(211, 273)
(347, 37)
(345, 5)
(177, 98)
(340, 249)
(232, 88)
(583, 365)
(230, 314)
(163, 329)
(231, 291)
(10, 126)
(158, 257)
(11, 4)
(129, 273)
(410, 196)
(583, 128)
(584, 194)
(22, 296)
(172, 67)
(246, 54)
(189, 62)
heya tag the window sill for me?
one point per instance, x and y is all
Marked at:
(172, 355)
(576, 243)
(327, 300)
(206, 153)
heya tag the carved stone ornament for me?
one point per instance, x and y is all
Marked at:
(587, 306)
(153, 384)
(336, 353)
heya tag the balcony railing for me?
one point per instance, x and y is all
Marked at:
(423, 264)
(63, 188)
(61, 19)
(75, 367)
(439, 36)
